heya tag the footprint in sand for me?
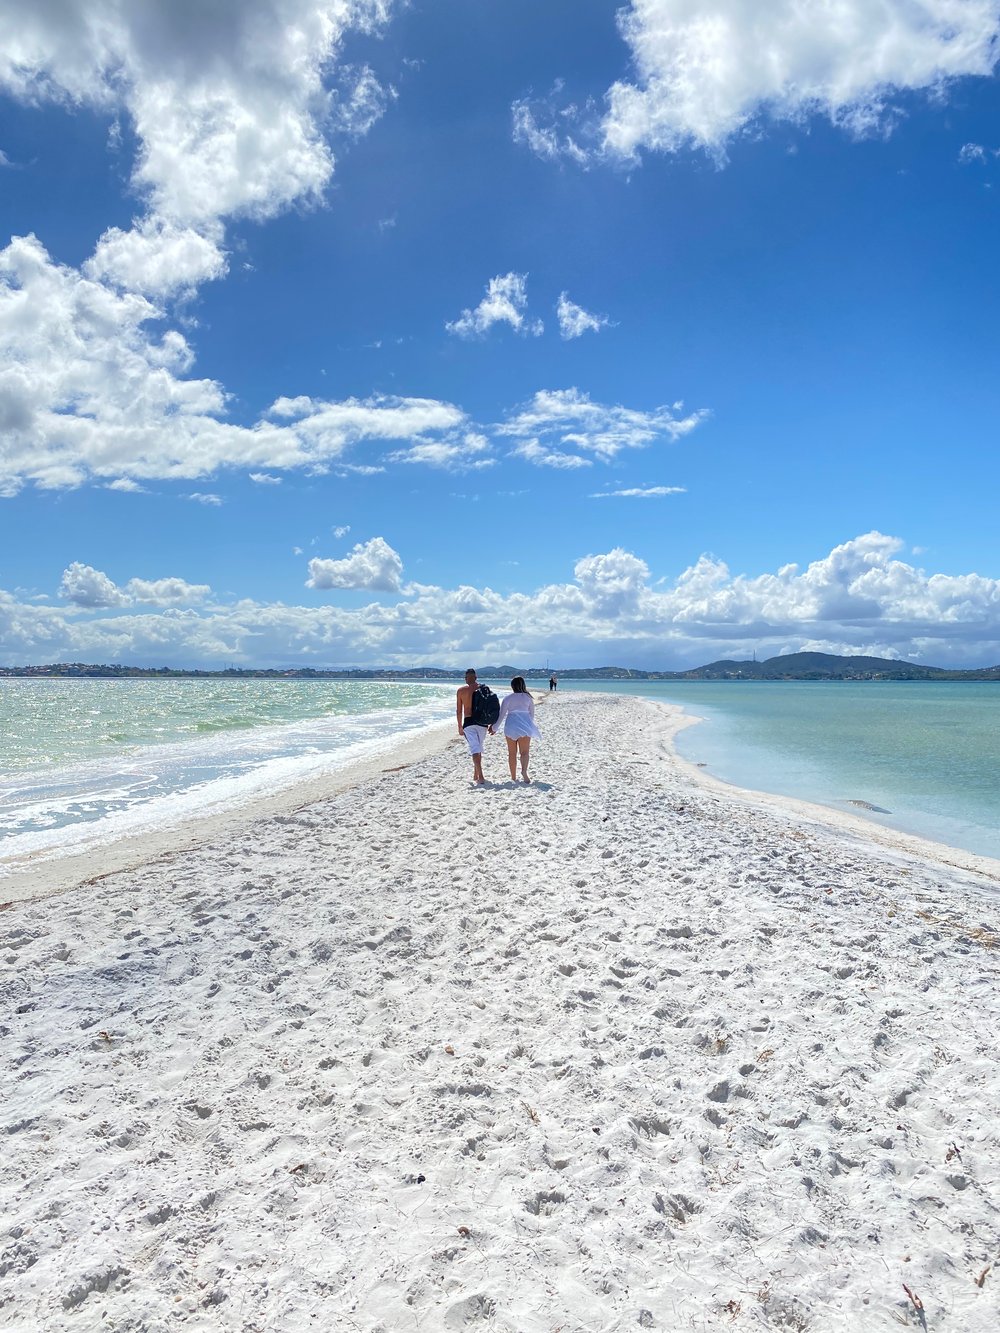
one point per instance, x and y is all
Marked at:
(545, 1203)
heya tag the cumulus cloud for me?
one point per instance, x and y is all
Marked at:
(373, 565)
(89, 392)
(157, 258)
(708, 70)
(228, 101)
(860, 597)
(640, 493)
(505, 302)
(575, 321)
(557, 420)
(91, 589)
(166, 592)
(82, 585)
(231, 103)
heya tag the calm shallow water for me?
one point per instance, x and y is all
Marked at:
(84, 762)
(927, 753)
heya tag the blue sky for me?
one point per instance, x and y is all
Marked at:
(341, 331)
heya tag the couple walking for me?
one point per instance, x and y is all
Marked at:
(476, 719)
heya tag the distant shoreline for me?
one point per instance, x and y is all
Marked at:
(788, 667)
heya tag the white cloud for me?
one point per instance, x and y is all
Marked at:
(860, 597)
(640, 493)
(505, 302)
(89, 392)
(547, 141)
(230, 104)
(82, 585)
(575, 321)
(205, 498)
(534, 452)
(264, 479)
(91, 589)
(373, 565)
(706, 71)
(166, 592)
(978, 153)
(157, 258)
(455, 455)
(127, 485)
(342, 531)
(227, 100)
(557, 419)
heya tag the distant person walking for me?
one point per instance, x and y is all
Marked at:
(517, 717)
(476, 709)
(553, 683)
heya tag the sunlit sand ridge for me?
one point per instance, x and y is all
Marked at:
(620, 1049)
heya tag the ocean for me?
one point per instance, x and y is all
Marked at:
(926, 755)
(86, 762)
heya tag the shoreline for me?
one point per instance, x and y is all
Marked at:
(617, 1049)
(49, 873)
(843, 821)
(46, 874)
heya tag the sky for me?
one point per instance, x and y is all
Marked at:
(359, 332)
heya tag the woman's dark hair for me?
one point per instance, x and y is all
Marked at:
(518, 685)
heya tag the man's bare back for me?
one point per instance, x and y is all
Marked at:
(463, 714)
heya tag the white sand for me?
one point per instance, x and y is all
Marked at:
(618, 1050)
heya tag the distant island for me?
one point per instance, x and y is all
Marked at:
(793, 666)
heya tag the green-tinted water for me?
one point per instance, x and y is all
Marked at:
(927, 754)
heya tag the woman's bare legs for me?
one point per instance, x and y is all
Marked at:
(524, 749)
(512, 757)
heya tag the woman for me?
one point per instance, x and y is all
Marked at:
(517, 717)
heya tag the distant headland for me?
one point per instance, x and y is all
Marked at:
(792, 666)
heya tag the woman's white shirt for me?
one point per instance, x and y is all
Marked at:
(517, 716)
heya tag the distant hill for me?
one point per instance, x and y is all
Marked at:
(829, 666)
(793, 666)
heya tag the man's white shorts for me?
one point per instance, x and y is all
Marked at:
(475, 737)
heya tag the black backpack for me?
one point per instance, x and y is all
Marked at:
(485, 707)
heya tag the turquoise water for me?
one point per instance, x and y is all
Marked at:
(84, 762)
(927, 754)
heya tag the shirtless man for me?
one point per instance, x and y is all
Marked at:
(474, 735)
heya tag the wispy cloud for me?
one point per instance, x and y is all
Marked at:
(575, 321)
(640, 493)
(564, 419)
(460, 454)
(505, 302)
